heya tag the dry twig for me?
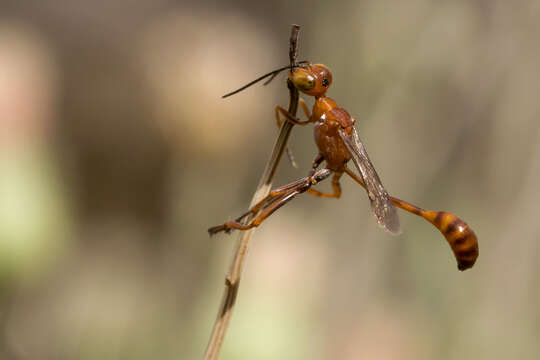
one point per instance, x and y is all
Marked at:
(232, 280)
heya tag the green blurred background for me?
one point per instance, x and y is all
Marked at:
(117, 153)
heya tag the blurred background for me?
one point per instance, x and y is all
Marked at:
(117, 153)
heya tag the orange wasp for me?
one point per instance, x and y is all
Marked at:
(338, 143)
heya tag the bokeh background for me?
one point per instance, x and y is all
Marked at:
(117, 153)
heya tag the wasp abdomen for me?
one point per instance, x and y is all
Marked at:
(459, 235)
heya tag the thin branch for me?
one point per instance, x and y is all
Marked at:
(232, 280)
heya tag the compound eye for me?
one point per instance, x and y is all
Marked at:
(303, 80)
(325, 82)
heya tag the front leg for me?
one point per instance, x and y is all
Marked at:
(289, 117)
(298, 122)
(304, 107)
(295, 121)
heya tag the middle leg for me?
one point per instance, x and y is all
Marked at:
(336, 187)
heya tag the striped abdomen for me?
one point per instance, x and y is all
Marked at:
(457, 232)
(459, 235)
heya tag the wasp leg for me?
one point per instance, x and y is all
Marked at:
(315, 164)
(289, 117)
(272, 202)
(234, 225)
(305, 108)
(335, 186)
(271, 198)
(294, 121)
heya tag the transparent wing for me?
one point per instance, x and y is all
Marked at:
(381, 205)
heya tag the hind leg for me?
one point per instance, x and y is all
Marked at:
(276, 199)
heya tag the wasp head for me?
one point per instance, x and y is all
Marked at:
(312, 80)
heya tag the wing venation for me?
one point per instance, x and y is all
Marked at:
(381, 205)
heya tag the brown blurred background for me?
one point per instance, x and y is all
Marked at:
(117, 153)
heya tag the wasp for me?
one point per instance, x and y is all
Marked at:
(338, 143)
